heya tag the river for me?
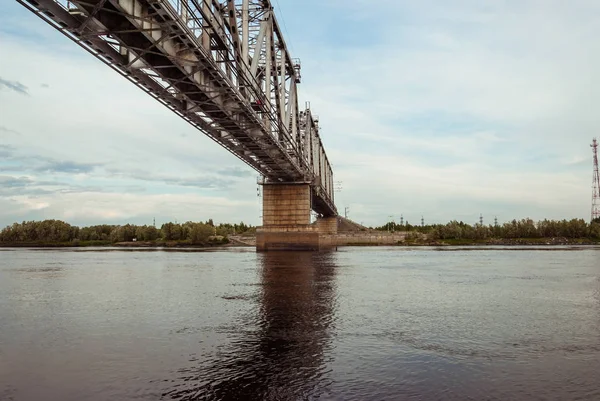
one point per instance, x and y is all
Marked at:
(356, 324)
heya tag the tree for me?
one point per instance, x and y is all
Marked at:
(200, 233)
(595, 230)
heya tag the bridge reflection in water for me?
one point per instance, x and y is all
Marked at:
(280, 352)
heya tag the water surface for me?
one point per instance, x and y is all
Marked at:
(360, 323)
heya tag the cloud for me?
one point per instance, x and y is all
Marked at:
(53, 166)
(11, 186)
(8, 131)
(31, 163)
(32, 204)
(14, 85)
(118, 208)
(14, 182)
(203, 181)
(237, 172)
(6, 151)
(28, 185)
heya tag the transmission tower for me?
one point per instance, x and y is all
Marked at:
(480, 219)
(596, 183)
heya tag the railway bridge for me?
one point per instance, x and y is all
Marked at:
(224, 67)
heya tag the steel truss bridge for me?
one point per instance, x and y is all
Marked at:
(223, 66)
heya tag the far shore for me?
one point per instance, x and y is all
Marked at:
(235, 243)
(509, 242)
(131, 244)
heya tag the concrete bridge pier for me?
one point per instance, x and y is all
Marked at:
(286, 219)
(327, 225)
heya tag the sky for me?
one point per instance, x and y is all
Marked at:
(445, 110)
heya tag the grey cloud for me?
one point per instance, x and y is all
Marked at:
(7, 181)
(236, 172)
(10, 168)
(25, 190)
(15, 186)
(6, 151)
(206, 183)
(40, 164)
(203, 182)
(53, 166)
(14, 85)
(8, 130)
(12, 186)
(200, 182)
(45, 85)
(130, 189)
(73, 189)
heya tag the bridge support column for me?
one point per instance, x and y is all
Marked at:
(328, 225)
(286, 219)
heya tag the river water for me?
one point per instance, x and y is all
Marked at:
(356, 324)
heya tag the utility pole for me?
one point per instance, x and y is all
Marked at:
(422, 222)
(346, 210)
(596, 183)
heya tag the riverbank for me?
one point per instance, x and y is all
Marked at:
(137, 244)
(505, 242)
(341, 241)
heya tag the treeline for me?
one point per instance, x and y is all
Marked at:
(56, 231)
(524, 228)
